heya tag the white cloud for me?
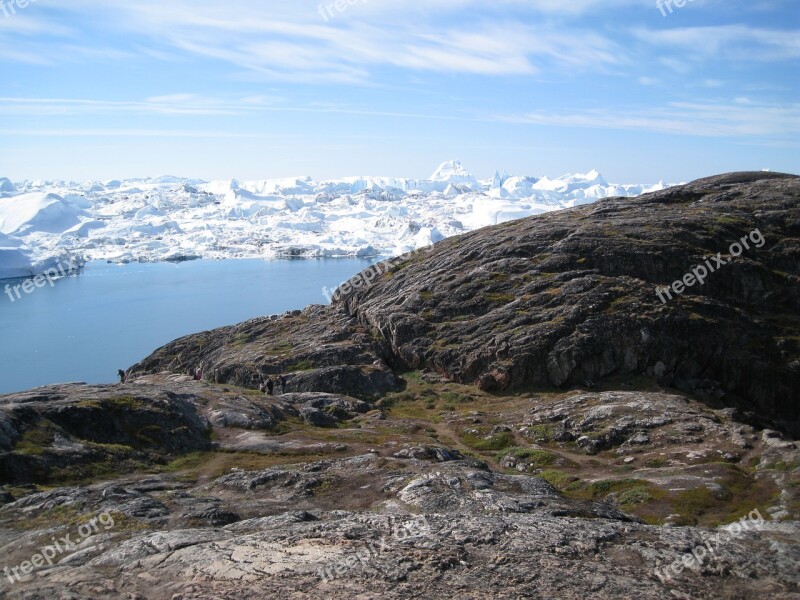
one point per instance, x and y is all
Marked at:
(738, 42)
(192, 105)
(712, 119)
(291, 41)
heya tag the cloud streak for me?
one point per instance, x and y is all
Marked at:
(741, 119)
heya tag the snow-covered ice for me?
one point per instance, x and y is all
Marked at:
(169, 218)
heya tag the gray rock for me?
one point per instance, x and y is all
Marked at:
(318, 418)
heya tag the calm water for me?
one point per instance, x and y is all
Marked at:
(111, 316)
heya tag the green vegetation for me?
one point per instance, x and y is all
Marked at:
(598, 490)
(34, 441)
(303, 365)
(117, 449)
(558, 479)
(736, 495)
(412, 376)
(240, 340)
(700, 500)
(277, 348)
(541, 433)
(74, 516)
(478, 441)
(456, 416)
(89, 404)
(534, 458)
(205, 466)
(400, 266)
(783, 466)
(113, 463)
(497, 298)
(58, 515)
(637, 495)
(126, 403)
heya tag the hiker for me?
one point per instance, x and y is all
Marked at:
(282, 381)
(270, 386)
(198, 374)
(262, 388)
(121, 375)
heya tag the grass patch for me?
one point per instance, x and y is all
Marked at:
(125, 403)
(203, 466)
(58, 515)
(89, 404)
(783, 466)
(540, 433)
(278, 349)
(599, 490)
(698, 501)
(34, 441)
(496, 298)
(637, 495)
(303, 365)
(75, 515)
(534, 458)
(559, 479)
(486, 443)
(240, 340)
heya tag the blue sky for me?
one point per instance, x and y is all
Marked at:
(260, 89)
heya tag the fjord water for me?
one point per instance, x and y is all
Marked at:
(111, 316)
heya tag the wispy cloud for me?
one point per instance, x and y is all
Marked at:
(350, 54)
(747, 119)
(292, 43)
(142, 133)
(191, 104)
(737, 42)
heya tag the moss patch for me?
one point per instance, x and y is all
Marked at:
(303, 365)
(35, 440)
(534, 458)
(498, 441)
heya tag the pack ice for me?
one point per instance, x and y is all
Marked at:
(169, 218)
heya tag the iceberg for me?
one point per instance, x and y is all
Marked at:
(14, 259)
(36, 212)
(166, 217)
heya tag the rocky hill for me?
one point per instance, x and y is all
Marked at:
(564, 299)
(512, 414)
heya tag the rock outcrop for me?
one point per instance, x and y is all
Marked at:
(561, 300)
(570, 297)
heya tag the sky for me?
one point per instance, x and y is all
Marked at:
(258, 89)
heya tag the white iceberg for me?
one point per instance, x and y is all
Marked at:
(169, 218)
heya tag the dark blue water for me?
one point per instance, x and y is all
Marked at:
(111, 316)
